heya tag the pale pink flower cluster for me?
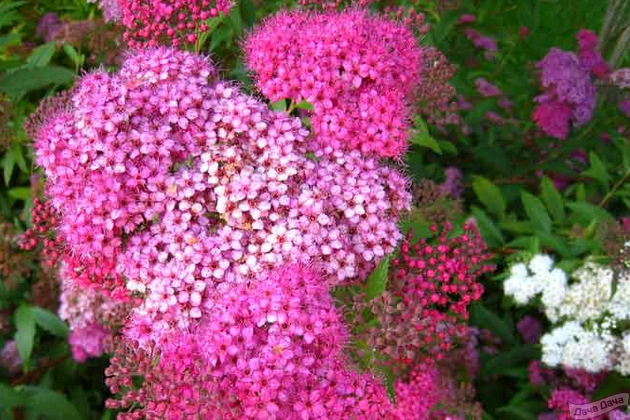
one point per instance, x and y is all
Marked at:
(357, 70)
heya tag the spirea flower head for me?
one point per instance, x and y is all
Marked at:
(170, 22)
(424, 308)
(357, 70)
(568, 86)
(268, 349)
(205, 185)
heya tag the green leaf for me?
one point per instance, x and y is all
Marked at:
(20, 193)
(552, 199)
(25, 331)
(50, 404)
(41, 56)
(50, 322)
(8, 40)
(554, 242)
(304, 104)
(22, 81)
(536, 212)
(280, 105)
(597, 170)
(485, 318)
(9, 397)
(76, 58)
(248, 12)
(489, 231)
(377, 280)
(613, 384)
(513, 357)
(422, 137)
(588, 212)
(490, 195)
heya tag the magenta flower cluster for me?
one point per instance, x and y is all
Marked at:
(170, 22)
(271, 349)
(357, 70)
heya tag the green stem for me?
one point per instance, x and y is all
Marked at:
(614, 189)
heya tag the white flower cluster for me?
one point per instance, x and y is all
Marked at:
(589, 312)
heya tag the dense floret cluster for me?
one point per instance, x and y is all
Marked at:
(357, 70)
(271, 349)
(170, 22)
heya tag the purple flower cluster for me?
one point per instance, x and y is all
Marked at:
(569, 93)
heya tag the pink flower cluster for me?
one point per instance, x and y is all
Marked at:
(171, 185)
(270, 349)
(174, 22)
(334, 4)
(569, 96)
(357, 70)
(432, 392)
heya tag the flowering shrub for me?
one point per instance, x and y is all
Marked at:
(309, 209)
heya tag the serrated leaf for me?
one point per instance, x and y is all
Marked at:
(50, 322)
(489, 231)
(50, 404)
(597, 170)
(25, 331)
(553, 200)
(41, 56)
(536, 212)
(485, 318)
(490, 195)
(376, 282)
(22, 81)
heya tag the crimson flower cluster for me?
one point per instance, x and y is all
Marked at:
(357, 70)
(174, 22)
(424, 309)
